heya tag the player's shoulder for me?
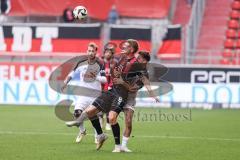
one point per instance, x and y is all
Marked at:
(81, 60)
(100, 62)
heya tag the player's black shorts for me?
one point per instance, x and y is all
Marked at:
(109, 101)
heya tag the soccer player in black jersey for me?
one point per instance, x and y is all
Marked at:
(113, 100)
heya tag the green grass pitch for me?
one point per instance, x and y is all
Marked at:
(34, 133)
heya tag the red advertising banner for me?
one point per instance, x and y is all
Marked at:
(49, 39)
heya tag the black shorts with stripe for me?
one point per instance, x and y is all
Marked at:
(109, 101)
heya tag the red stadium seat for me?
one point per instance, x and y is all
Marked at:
(231, 33)
(236, 5)
(233, 24)
(238, 44)
(225, 61)
(228, 53)
(238, 34)
(229, 44)
(234, 14)
(234, 61)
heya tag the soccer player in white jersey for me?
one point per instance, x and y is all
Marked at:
(92, 76)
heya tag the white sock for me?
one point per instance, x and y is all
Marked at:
(81, 128)
(124, 141)
(95, 133)
(101, 121)
(82, 117)
(117, 146)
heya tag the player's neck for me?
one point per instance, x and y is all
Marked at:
(91, 60)
(107, 60)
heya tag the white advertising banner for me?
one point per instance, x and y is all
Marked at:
(38, 92)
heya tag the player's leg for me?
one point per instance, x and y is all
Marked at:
(103, 103)
(115, 130)
(108, 126)
(101, 121)
(81, 104)
(82, 130)
(128, 114)
(89, 112)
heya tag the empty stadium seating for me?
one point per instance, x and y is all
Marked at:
(232, 42)
(133, 8)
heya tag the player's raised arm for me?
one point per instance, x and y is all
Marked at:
(69, 77)
(147, 84)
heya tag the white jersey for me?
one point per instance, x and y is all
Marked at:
(81, 72)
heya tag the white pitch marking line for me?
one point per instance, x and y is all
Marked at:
(137, 136)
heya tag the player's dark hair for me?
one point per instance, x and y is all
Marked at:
(145, 55)
(133, 44)
(111, 47)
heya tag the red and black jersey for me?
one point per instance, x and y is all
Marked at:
(108, 67)
(125, 64)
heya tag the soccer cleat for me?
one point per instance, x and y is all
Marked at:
(72, 123)
(80, 136)
(125, 149)
(108, 127)
(101, 139)
(117, 149)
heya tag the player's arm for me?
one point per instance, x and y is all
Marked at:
(69, 78)
(146, 83)
(122, 82)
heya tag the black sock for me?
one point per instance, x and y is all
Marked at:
(116, 133)
(107, 118)
(96, 125)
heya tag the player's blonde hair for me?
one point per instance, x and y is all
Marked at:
(93, 45)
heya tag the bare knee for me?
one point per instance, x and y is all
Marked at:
(91, 111)
(112, 118)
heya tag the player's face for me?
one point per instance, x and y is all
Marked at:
(91, 52)
(126, 48)
(140, 59)
(107, 54)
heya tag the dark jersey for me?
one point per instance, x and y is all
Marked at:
(115, 98)
(136, 74)
(124, 66)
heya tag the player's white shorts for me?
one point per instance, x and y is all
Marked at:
(83, 102)
(131, 101)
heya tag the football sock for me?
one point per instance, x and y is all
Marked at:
(107, 118)
(81, 127)
(97, 126)
(82, 117)
(116, 133)
(124, 141)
